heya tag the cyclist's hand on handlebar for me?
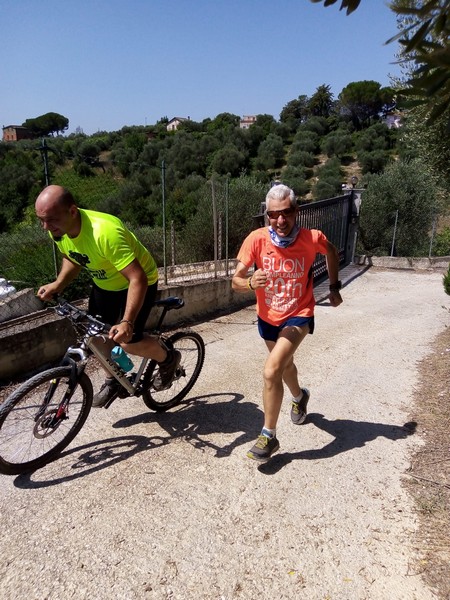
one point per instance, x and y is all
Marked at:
(48, 292)
(121, 333)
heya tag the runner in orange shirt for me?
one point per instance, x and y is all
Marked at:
(284, 254)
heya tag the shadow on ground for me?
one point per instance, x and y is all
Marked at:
(348, 435)
(196, 422)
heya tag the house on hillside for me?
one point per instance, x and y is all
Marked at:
(247, 121)
(175, 122)
(393, 120)
(14, 133)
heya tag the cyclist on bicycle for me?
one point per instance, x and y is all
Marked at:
(124, 277)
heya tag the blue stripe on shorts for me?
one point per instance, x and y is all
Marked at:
(271, 332)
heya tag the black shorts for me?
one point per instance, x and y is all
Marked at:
(109, 307)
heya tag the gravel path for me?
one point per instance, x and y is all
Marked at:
(167, 506)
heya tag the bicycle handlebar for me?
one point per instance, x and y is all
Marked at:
(76, 315)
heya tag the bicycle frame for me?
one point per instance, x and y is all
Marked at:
(114, 369)
(80, 353)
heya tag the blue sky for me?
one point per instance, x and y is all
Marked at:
(104, 64)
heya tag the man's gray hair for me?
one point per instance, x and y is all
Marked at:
(280, 192)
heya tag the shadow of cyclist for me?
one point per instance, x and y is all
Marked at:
(203, 416)
(347, 434)
(87, 459)
(197, 418)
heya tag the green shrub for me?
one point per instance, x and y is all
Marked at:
(374, 161)
(329, 182)
(27, 265)
(337, 143)
(308, 143)
(399, 206)
(441, 245)
(447, 282)
(88, 192)
(301, 158)
(328, 187)
(295, 178)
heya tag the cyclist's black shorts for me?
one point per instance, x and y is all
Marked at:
(110, 306)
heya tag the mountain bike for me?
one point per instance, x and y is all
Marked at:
(44, 414)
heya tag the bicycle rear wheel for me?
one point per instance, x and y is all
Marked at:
(192, 349)
(32, 433)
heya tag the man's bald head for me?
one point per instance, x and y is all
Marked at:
(56, 209)
(55, 196)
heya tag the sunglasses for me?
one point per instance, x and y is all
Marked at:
(286, 212)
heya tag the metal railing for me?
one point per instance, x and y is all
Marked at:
(333, 217)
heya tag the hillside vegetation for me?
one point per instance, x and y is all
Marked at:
(316, 147)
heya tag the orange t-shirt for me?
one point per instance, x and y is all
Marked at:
(289, 289)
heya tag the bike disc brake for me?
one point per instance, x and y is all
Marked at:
(47, 424)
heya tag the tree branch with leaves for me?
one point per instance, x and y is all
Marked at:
(424, 39)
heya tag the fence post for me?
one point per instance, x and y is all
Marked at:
(44, 153)
(172, 241)
(214, 207)
(227, 191)
(163, 184)
(353, 224)
(395, 233)
(219, 236)
(433, 233)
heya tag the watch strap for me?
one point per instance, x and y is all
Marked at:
(335, 287)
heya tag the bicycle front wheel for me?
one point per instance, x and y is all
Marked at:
(192, 349)
(33, 428)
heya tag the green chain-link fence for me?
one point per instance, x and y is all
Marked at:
(185, 249)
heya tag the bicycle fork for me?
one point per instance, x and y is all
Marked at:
(45, 421)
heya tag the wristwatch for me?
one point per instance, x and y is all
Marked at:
(335, 287)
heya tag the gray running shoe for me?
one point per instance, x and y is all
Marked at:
(107, 392)
(167, 369)
(298, 409)
(263, 448)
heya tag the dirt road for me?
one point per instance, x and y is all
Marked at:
(167, 506)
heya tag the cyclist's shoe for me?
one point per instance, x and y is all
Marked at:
(298, 409)
(107, 392)
(167, 370)
(263, 448)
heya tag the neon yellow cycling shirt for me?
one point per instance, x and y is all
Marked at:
(104, 247)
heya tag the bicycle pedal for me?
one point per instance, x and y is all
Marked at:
(110, 401)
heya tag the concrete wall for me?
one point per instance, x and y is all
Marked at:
(30, 343)
(18, 304)
(398, 262)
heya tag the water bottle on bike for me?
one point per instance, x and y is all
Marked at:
(121, 358)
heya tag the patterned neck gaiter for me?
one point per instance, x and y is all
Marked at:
(285, 241)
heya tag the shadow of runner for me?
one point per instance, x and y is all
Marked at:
(347, 434)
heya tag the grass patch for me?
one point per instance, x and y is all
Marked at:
(429, 475)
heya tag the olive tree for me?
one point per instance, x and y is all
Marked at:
(397, 210)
